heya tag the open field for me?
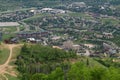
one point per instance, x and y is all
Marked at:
(11, 77)
(110, 21)
(4, 54)
(6, 36)
(37, 16)
(82, 15)
(8, 29)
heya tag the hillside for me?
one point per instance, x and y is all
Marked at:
(6, 5)
(56, 64)
(46, 63)
(59, 39)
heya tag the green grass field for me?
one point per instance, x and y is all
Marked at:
(12, 78)
(16, 52)
(37, 16)
(82, 15)
(8, 29)
(21, 27)
(4, 54)
(110, 21)
(6, 36)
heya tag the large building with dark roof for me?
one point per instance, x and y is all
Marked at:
(36, 35)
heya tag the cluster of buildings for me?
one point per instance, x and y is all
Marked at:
(56, 11)
(35, 36)
(104, 35)
(70, 45)
(38, 34)
(77, 5)
(15, 16)
(108, 35)
(109, 48)
(79, 49)
(49, 10)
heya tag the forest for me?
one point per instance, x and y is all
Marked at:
(37, 62)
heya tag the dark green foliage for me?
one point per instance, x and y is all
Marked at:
(42, 59)
(39, 77)
(38, 62)
(108, 62)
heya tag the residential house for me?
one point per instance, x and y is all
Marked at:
(109, 49)
(108, 35)
(77, 5)
(67, 45)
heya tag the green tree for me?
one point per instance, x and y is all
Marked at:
(39, 76)
(58, 74)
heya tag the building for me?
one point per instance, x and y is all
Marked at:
(36, 35)
(54, 11)
(56, 38)
(108, 35)
(12, 40)
(67, 45)
(76, 48)
(109, 49)
(77, 5)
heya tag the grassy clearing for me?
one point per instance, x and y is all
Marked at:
(12, 78)
(95, 63)
(110, 21)
(37, 16)
(8, 32)
(11, 29)
(92, 62)
(73, 14)
(16, 52)
(82, 15)
(8, 29)
(116, 40)
(21, 27)
(7, 36)
(4, 54)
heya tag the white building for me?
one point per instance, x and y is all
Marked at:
(50, 10)
(78, 5)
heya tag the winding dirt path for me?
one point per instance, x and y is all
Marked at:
(5, 67)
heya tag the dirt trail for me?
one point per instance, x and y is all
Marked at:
(5, 67)
(4, 76)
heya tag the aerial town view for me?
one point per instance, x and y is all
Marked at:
(59, 39)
